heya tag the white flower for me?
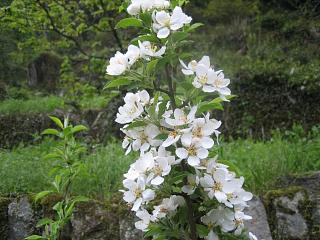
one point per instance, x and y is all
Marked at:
(180, 118)
(236, 196)
(191, 68)
(162, 168)
(216, 184)
(133, 54)
(193, 182)
(238, 222)
(218, 83)
(145, 219)
(148, 50)
(141, 138)
(165, 22)
(133, 107)
(218, 217)
(137, 193)
(167, 206)
(118, 64)
(193, 152)
(137, 6)
(201, 132)
(252, 236)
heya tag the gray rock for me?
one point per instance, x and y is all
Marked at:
(259, 223)
(290, 222)
(128, 230)
(21, 219)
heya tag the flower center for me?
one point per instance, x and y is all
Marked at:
(157, 171)
(203, 79)
(192, 150)
(138, 193)
(217, 187)
(173, 133)
(143, 138)
(197, 132)
(238, 222)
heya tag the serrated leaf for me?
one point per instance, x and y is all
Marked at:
(117, 83)
(129, 22)
(51, 131)
(57, 121)
(209, 106)
(194, 26)
(139, 123)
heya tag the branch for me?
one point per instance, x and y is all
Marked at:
(71, 38)
(170, 86)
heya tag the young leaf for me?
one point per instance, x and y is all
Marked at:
(79, 128)
(44, 221)
(129, 22)
(57, 121)
(34, 237)
(51, 131)
(41, 195)
(147, 37)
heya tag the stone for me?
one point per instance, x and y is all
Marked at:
(290, 222)
(92, 221)
(21, 219)
(128, 230)
(259, 224)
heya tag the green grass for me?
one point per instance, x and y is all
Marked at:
(35, 105)
(261, 163)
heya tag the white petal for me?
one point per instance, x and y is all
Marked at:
(182, 153)
(193, 161)
(202, 153)
(163, 33)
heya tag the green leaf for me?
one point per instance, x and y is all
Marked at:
(41, 195)
(209, 106)
(129, 22)
(151, 66)
(179, 36)
(79, 128)
(147, 37)
(57, 121)
(51, 131)
(117, 83)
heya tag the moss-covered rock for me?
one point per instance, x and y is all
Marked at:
(293, 210)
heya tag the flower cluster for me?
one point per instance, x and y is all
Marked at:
(171, 139)
(206, 77)
(122, 62)
(138, 6)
